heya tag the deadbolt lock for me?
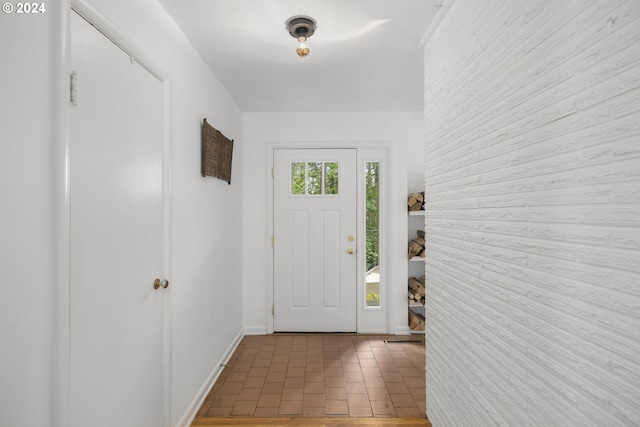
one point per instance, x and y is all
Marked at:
(350, 238)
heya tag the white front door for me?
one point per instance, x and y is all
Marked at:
(116, 211)
(315, 240)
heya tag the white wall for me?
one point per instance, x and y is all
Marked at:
(415, 155)
(350, 129)
(26, 244)
(533, 214)
(206, 266)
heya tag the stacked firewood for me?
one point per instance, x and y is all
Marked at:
(415, 201)
(415, 290)
(416, 246)
(416, 321)
(416, 295)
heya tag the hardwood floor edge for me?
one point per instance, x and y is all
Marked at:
(307, 421)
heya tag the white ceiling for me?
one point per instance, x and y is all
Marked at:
(364, 53)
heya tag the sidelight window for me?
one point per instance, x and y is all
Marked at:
(372, 234)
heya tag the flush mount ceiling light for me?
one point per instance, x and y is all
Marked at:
(301, 27)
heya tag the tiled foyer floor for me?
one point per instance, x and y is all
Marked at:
(321, 375)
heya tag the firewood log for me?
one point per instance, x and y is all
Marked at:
(416, 321)
(415, 201)
(416, 246)
(411, 201)
(416, 286)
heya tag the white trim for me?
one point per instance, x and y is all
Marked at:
(95, 17)
(358, 146)
(255, 330)
(268, 238)
(166, 249)
(192, 410)
(368, 316)
(60, 131)
(374, 331)
(402, 330)
(444, 7)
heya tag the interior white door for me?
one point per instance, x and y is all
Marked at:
(315, 240)
(116, 210)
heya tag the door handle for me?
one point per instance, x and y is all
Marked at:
(157, 284)
(350, 251)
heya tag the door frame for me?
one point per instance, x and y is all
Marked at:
(365, 151)
(60, 155)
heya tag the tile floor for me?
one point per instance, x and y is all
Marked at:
(321, 375)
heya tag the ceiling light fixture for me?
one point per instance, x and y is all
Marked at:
(301, 28)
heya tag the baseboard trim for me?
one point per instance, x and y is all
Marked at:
(255, 330)
(191, 412)
(402, 330)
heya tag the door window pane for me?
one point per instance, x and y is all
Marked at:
(314, 178)
(298, 176)
(331, 178)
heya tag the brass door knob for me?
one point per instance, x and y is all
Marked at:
(157, 284)
(350, 251)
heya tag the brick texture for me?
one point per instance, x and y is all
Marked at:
(532, 152)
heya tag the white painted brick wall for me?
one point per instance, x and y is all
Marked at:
(532, 153)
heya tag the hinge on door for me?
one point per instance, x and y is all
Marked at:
(273, 241)
(273, 173)
(273, 310)
(73, 94)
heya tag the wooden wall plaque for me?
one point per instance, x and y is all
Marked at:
(217, 151)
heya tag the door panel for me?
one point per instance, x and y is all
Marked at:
(300, 260)
(330, 275)
(315, 213)
(116, 346)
